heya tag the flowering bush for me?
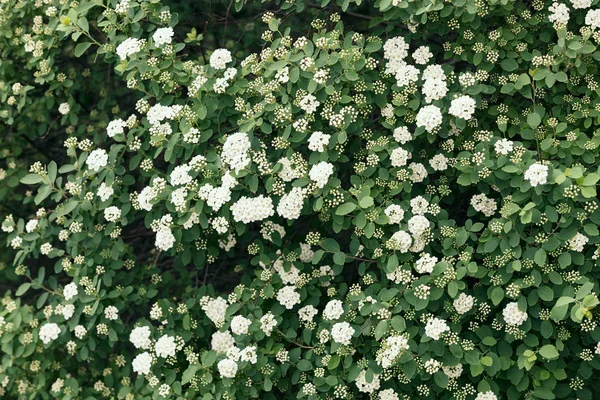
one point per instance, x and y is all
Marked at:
(325, 200)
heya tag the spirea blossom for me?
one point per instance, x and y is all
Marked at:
(221, 342)
(429, 117)
(64, 108)
(513, 316)
(70, 291)
(577, 242)
(367, 387)
(249, 210)
(504, 146)
(240, 324)
(115, 127)
(215, 310)
(290, 205)
(97, 160)
(578, 4)
(235, 151)
(180, 175)
(320, 173)
(49, 332)
(484, 204)
(435, 327)
(425, 263)
(463, 303)
(399, 157)
(142, 363)
(318, 141)
(288, 297)
(462, 107)
(227, 368)
(536, 174)
(395, 213)
(140, 337)
(129, 47)
(219, 58)
(400, 241)
(333, 310)
(402, 135)
(112, 214)
(165, 346)
(342, 332)
(418, 224)
(162, 36)
(489, 395)
(560, 13)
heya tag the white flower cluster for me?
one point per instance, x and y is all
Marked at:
(219, 58)
(578, 4)
(333, 310)
(463, 303)
(318, 141)
(400, 241)
(592, 19)
(425, 264)
(367, 387)
(288, 297)
(342, 332)
(429, 117)
(577, 242)
(70, 291)
(489, 395)
(309, 104)
(504, 146)
(129, 47)
(399, 157)
(462, 107)
(559, 13)
(240, 325)
(249, 210)
(320, 173)
(97, 160)
(395, 213)
(290, 205)
(435, 327)
(49, 332)
(402, 135)
(112, 214)
(142, 363)
(513, 316)
(140, 337)
(164, 236)
(391, 349)
(215, 310)
(163, 36)
(484, 204)
(221, 342)
(165, 346)
(115, 127)
(235, 151)
(537, 174)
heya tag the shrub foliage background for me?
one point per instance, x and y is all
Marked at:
(322, 200)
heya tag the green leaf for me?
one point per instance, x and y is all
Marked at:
(533, 120)
(549, 352)
(345, 209)
(189, 373)
(509, 64)
(81, 48)
(497, 295)
(22, 289)
(304, 365)
(31, 179)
